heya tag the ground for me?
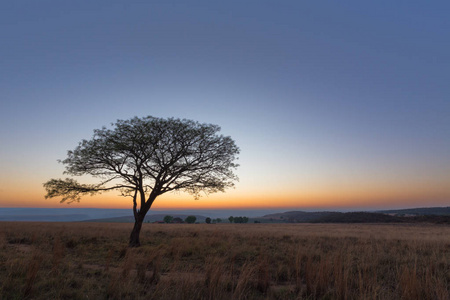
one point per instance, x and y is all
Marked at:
(224, 261)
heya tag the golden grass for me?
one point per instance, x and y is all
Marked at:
(224, 261)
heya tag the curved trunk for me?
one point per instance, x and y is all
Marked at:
(139, 216)
(134, 236)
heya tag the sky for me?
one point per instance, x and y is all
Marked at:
(334, 104)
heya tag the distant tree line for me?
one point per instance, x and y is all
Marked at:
(188, 219)
(208, 220)
(238, 219)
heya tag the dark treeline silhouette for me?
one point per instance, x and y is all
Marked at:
(354, 217)
(238, 219)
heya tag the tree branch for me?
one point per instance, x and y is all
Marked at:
(72, 191)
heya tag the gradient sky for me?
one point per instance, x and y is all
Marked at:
(334, 104)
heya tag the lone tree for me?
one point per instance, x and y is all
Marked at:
(147, 157)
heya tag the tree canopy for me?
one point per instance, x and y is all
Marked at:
(147, 157)
(168, 219)
(190, 219)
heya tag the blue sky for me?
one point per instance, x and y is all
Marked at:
(332, 103)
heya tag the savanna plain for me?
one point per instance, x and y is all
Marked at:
(224, 261)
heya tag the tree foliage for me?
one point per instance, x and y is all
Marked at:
(147, 157)
(238, 219)
(168, 219)
(150, 155)
(190, 219)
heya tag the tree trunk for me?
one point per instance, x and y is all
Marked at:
(139, 216)
(134, 236)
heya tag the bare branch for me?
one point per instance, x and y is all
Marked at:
(71, 190)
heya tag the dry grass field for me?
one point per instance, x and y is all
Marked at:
(224, 261)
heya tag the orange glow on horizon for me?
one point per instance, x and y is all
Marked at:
(314, 197)
(234, 200)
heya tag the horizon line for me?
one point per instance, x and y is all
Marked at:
(240, 208)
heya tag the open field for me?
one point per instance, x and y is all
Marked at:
(224, 261)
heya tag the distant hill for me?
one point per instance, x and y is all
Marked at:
(439, 215)
(430, 214)
(333, 217)
(425, 211)
(297, 216)
(69, 214)
(38, 214)
(358, 217)
(43, 217)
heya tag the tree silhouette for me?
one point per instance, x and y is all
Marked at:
(147, 157)
(168, 219)
(208, 220)
(238, 219)
(190, 219)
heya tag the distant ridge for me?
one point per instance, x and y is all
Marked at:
(69, 214)
(424, 211)
(428, 214)
(439, 215)
(297, 216)
(39, 214)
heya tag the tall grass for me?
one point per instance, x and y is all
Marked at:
(224, 261)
